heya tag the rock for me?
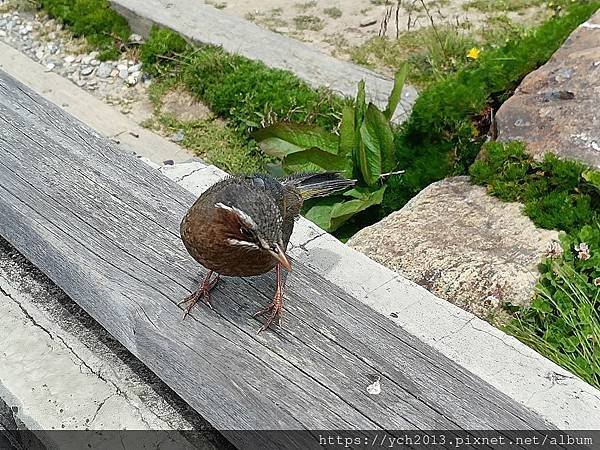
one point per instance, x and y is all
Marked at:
(104, 70)
(132, 79)
(50, 66)
(135, 68)
(555, 109)
(114, 73)
(183, 106)
(461, 244)
(178, 136)
(52, 48)
(135, 38)
(95, 62)
(123, 73)
(368, 22)
(282, 30)
(87, 71)
(69, 59)
(86, 60)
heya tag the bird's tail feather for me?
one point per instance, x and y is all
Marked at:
(318, 184)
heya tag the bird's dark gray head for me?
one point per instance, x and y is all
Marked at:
(254, 220)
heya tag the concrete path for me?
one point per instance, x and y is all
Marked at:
(204, 24)
(501, 360)
(87, 108)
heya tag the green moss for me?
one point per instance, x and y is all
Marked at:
(93, 19)
(308, 22)
(162, 50)
(214, 142)
(501, 5)
(553, 191)
(333, 12)
(246, 92)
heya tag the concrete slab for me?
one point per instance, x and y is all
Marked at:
(204, 24)
(61, 371)
(93, 112)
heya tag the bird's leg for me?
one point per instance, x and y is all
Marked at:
(203, 292)
(275, 309)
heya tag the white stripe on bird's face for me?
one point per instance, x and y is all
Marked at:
(246, 244)
(248, 221)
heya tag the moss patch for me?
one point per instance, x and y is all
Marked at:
(95, 20)
(246, 92)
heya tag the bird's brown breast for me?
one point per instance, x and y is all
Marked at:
(205, 236)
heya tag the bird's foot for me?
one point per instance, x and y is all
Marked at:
(203, 292)
(273, 312)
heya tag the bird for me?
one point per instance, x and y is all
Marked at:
(241, 227)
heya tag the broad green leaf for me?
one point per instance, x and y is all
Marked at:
(347, 133)
(360, 107)
(278, 148)
(283, 138)
(359, 192)
(592, 177)
(369, 152)
(324, 160)
(378, 137)
(320, 214)
(341, 212)
(396, 93)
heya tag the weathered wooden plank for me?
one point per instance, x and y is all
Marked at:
(104, 227)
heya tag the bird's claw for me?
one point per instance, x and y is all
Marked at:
(203, 292)
(274, 312)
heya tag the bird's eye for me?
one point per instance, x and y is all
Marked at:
(275, 248)
(247, 233)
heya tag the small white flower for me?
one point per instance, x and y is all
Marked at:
(583, 251)
(597, 281)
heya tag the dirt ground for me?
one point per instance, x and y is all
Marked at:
(336, 27)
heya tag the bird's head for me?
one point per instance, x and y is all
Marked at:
(252, 223)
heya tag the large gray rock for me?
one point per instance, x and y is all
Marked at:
(463, 245)
(555, 109)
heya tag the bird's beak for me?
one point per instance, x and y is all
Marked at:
(280, 256)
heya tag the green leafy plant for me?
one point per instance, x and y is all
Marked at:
(364, 150)
(563, 321)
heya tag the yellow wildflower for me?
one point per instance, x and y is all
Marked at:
(473, 53)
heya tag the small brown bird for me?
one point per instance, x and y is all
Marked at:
(241, 227)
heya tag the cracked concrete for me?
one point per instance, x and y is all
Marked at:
(50, 339)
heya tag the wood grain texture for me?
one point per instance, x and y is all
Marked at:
(104, 227)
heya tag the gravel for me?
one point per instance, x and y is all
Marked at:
(119, 83)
